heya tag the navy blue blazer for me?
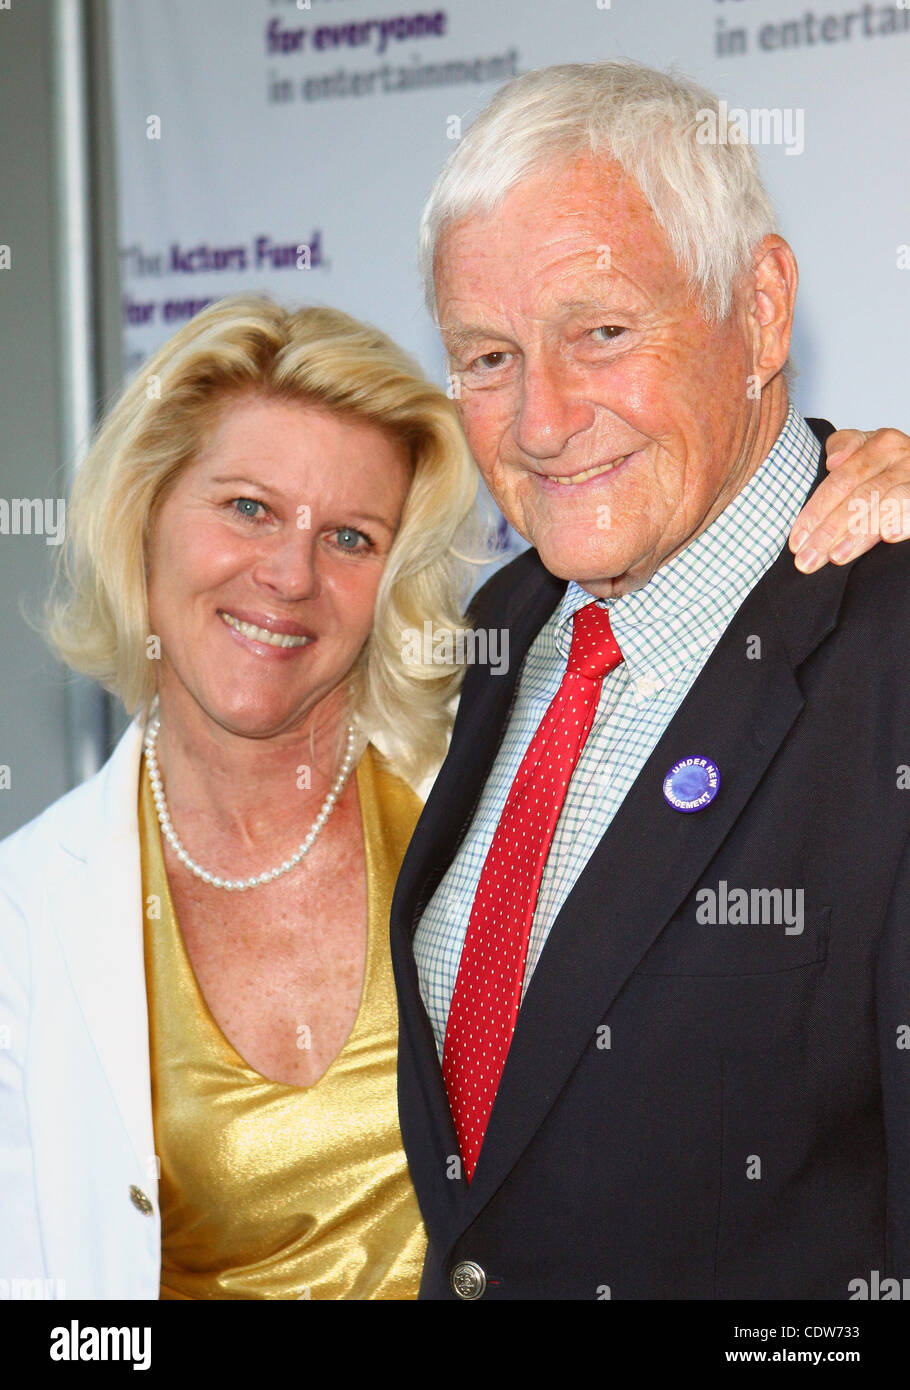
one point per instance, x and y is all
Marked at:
(693, 1110)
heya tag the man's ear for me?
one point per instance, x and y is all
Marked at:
(772, 296)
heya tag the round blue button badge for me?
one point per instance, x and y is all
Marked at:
(692, 784)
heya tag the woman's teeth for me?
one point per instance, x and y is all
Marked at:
(592, 472)
(261, 634)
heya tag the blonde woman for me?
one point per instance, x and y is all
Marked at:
(198, 1099)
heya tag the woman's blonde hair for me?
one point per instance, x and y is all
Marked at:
(97, 619)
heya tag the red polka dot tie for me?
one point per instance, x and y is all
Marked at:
(491, 970)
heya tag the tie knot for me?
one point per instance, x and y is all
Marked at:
(594, 650)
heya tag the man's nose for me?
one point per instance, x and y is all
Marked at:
(288, 565)
(551, 409)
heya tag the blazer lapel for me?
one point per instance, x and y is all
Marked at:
(475, 742)
(443, 822)
(94, 904)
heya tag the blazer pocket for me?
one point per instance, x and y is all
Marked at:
(718, 950)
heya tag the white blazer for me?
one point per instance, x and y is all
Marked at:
(78, 1175)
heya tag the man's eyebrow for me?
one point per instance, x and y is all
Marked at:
(457, 336)
(600, 302)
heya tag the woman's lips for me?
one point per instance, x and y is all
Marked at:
(279, 638)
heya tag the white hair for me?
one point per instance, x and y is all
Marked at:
(707, 197)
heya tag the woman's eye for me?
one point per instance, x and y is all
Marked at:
(247, 507)
(346, 538)
(609, 330)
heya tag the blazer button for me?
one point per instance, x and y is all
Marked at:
(468, 1280)
(140, 1201)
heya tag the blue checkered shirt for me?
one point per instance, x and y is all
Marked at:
(666, 631)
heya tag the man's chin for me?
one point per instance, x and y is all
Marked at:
(604, 576)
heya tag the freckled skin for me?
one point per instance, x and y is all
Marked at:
(236, 724)
(531, 302)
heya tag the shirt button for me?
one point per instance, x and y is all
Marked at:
(140, 1201)
(468, 1280)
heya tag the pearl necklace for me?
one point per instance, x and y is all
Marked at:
(239, 884)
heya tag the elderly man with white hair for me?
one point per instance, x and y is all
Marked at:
(650, 937)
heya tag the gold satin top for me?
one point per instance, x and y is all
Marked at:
(270, 1190)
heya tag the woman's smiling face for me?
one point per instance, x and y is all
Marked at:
(264, 560)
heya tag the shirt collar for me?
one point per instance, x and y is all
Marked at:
(688, 602)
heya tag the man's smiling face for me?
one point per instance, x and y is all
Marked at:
(610, 421)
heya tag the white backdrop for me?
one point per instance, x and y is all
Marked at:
(247, 126)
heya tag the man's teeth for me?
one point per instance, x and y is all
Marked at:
(592, 472)
(261, 634)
